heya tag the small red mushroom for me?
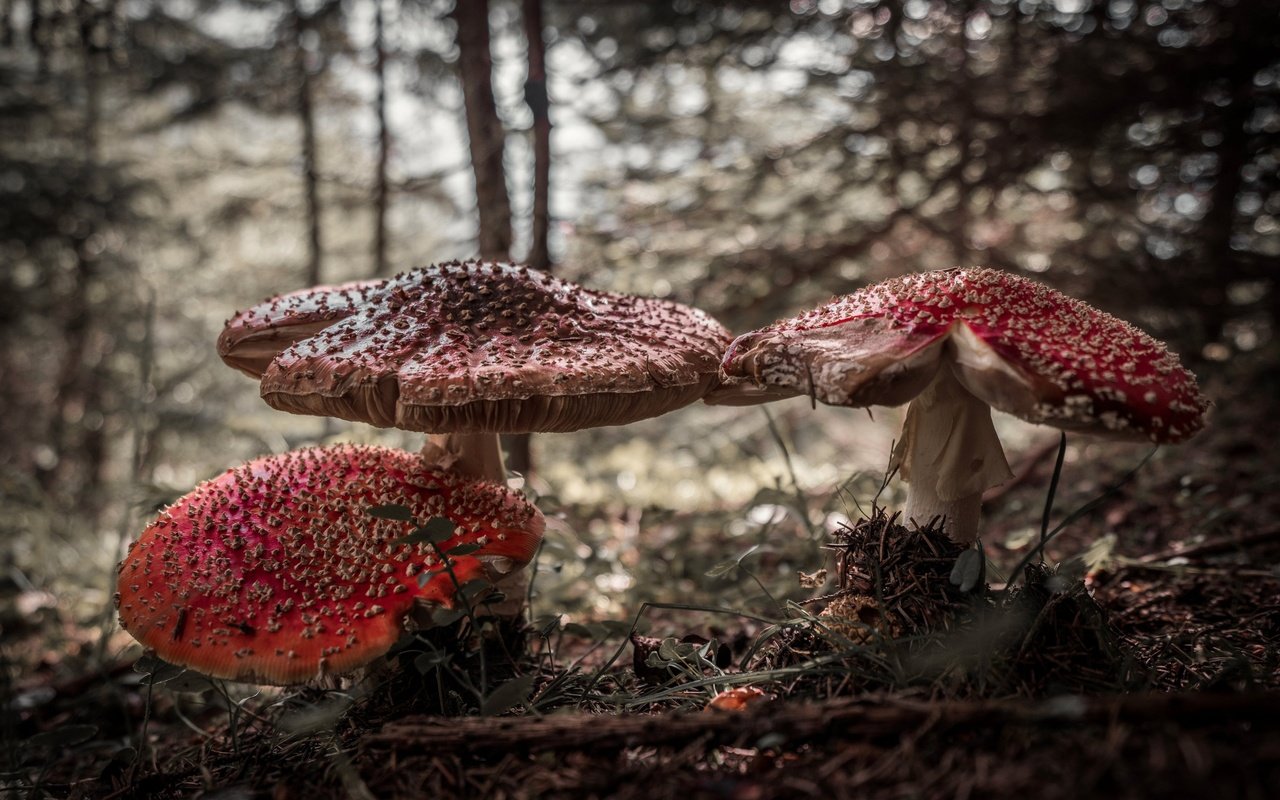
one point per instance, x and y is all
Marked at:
(274, 572)
(956, 343)
(739, 698)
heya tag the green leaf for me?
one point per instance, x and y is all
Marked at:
(434, 531)
(392, 512)
(466, 548)
(723, 569)
(547, 625)
(442, 616)
(1092, 558)
(673, 650)
(156, 670)
(580, 630)
(729, 567)
(615, 627)
(655, 661)
(508, 695)
(428, 662)
(66, 736)
(474, 588)
(189, 682)
(968, 570)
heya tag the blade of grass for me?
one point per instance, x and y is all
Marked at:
(1053, 490)
(1080, 512)
(802, 502)
(644, 607)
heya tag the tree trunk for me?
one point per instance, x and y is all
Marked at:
(484, 127)
(76, 427)
(384, 143)
(519, 452)
(6, 23)
(475, 64)
(306, 116)
(38, 38)
(535, 95)
(1220, 219)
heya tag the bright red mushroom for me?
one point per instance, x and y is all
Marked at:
(274, 572)
(956, 343)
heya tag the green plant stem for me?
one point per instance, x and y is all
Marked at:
(1078, 513)
(645, 606)
(1053, 490)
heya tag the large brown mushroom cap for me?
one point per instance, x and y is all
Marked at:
(484, 347)
(1015, 344)
(252, 338)
(275, 572)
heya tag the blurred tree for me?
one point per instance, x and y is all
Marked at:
(519, 446)
(380, 188)
(484, 129)
(63, 209)
(486, 140)
(307, 59)
(538, 100)
(772, 153)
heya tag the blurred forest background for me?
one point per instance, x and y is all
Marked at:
(164, 163)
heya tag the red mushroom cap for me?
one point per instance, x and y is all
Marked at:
(482, 347)
(274, 572)
(1016, 344)
(252, 338)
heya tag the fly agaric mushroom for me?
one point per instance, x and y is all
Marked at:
(473, 349)
(956, 343)
(274, 572)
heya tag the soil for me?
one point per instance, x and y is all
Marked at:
(1141, 659)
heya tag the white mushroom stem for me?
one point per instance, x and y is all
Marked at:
(949, 454)
(513, 586)
(478, 455)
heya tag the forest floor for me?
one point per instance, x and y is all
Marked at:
(1142, 659)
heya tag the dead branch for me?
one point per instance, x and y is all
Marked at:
(1221, 544)
(853, 719)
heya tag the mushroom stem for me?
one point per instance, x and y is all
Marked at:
(949, 454)
(477, 455)
(513, 586)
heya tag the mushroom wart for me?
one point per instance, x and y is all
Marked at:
(274, 572)
(956, 343)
